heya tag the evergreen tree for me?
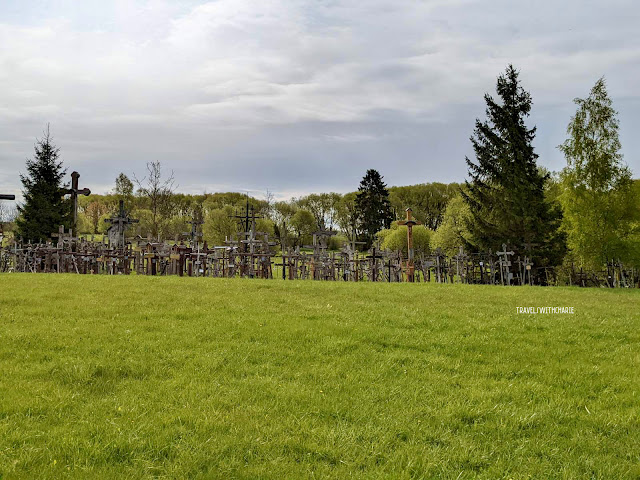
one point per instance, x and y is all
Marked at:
(373, 206)
(506, 192)
(44, 208)
(597, 191)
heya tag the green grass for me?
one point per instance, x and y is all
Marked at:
(139, 377)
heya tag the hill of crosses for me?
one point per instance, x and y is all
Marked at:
(251, 253)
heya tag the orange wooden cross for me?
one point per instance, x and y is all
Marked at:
(410, 222)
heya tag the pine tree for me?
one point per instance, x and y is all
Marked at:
(44, 208)
(373, 206)
(597, 191)
(506, 191)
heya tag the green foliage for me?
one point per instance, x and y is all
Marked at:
(44, 208)
(427, 201)
(219, 226)
(124, 189)
(148, 377)
(347, 215)
(453, 232)
(303, 224)
(395, 239)
(323, 207)
(598, 198)
(506, 193)
(372, 206)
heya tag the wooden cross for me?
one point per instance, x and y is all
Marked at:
(74, 191)
(410, 222)
(374, 263)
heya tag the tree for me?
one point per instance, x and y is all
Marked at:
(597, 191)
(394, 238)
(506, 192)
(427, 201)
(452, 232)
(373, 207)
(158, 193)
(303, 224)
(95, 212)
(124, 189)
(44, 208)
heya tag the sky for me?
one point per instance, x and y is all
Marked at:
(298, 96)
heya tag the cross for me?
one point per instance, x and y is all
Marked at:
(410, 222)
(374, 263)
(118, 225)
(321, 238)
(4, 197)
(504, 264)
(74, 191)
(194, 234)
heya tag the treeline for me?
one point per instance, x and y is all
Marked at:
(290, 222)
(584, 216)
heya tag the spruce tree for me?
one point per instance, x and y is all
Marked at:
(373, 206)
(44, 208)
(506, 194)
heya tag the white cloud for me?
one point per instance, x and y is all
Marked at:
(231, 82)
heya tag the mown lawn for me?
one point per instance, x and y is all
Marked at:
(139, 377)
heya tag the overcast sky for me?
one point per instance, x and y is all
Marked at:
(297, 96)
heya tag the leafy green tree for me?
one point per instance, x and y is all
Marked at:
(598, 197)
(347, 215)
(219, 225)
(395, 239)
(452, 232)
(303, 224)
(427, 201)
(323, 206)
(124, 190)
(373, 206)
(506, 193)
(44, 208)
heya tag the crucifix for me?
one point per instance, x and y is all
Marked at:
(119, 224)
(410, 222)
(74, 191)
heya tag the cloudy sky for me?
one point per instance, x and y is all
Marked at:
(297, 96)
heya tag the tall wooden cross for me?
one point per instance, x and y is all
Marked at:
(74, 191)
(373, 258)
(410, 222)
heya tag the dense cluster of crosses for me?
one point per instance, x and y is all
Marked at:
(251, 254)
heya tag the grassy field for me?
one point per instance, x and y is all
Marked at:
(139, 377)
